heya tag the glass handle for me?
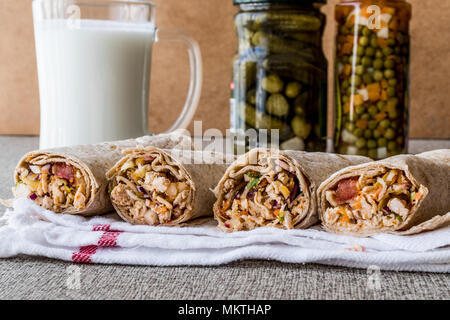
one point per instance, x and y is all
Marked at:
(196, 79)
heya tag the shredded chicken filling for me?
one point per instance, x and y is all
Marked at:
(55, 186)
(363, 202)
(271, 197)
(150, 192)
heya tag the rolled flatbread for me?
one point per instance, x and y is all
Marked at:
(72, 179)
(271, 188)
(164, 187)
(404, 194)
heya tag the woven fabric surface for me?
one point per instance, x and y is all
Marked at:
(36, 278)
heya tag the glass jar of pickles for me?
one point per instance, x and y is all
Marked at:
(372, 77)
(280, 74)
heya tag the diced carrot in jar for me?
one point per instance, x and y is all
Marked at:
(389, 10)
(347, 48)
(380, 116)
(358, 99)
(382, 42)
(374, 91)
(362, 124)
(347, 69)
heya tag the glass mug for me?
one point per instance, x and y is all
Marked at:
(94, 64)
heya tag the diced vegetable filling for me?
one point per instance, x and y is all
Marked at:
(150, 192)
(271, 197)
(55, 186)
(367, 202)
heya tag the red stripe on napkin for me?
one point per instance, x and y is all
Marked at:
(107, 240)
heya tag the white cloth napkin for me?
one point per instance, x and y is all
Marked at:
(31, 230)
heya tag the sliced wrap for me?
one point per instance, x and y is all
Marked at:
(405, 194)
(72, 179)
(270, 188)
(156, 187)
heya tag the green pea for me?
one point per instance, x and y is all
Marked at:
(293, 89)
(360, 51)
(398, 50)
(381, 105)
(382, 142)
(367, 78)
(359, 109)
(364, 41)
(394, 125)
(373, 110)
(301, 128)
(378, 75)
(392, 82)
(374, 41)
(391, 42)
(358, 132)
(373, 153)
(365, 116)
(389, 134)
(389, 64)
(387, 51)
(385, 123)
(400, 141)
(351, 90)
(376, 134)
(366, 61)
(354, 60)
(389, 73)
(379, 54)
(370, 52)
(372, 124)
(350, 126)
(392, 146)
(345, 59)
(359, 70)
(367, 133)
(393, 114)
(356, 80)
(378, 64)
(360, 143)
(345, 84)
(277, 105)
(371, 144)
(391, 92)
(272, 84)
(345, 99)
(366, 31)
(393, 102)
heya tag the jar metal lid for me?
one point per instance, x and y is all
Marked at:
(279, 1)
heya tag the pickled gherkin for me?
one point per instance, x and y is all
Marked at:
(371, 81)
(277, 105)
(280, 73)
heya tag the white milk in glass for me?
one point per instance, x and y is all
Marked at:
(94, 80)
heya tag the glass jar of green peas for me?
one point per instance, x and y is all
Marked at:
(280, 74)
(372, 77)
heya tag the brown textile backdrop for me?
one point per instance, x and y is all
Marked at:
(211, 23)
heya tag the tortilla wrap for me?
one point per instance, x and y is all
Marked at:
(164, 187)
(405, 194)
(72, 179)
(271, 188)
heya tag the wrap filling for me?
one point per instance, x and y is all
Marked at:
(366, 202)
(55, 186)
(151, 190)
(268, 194)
